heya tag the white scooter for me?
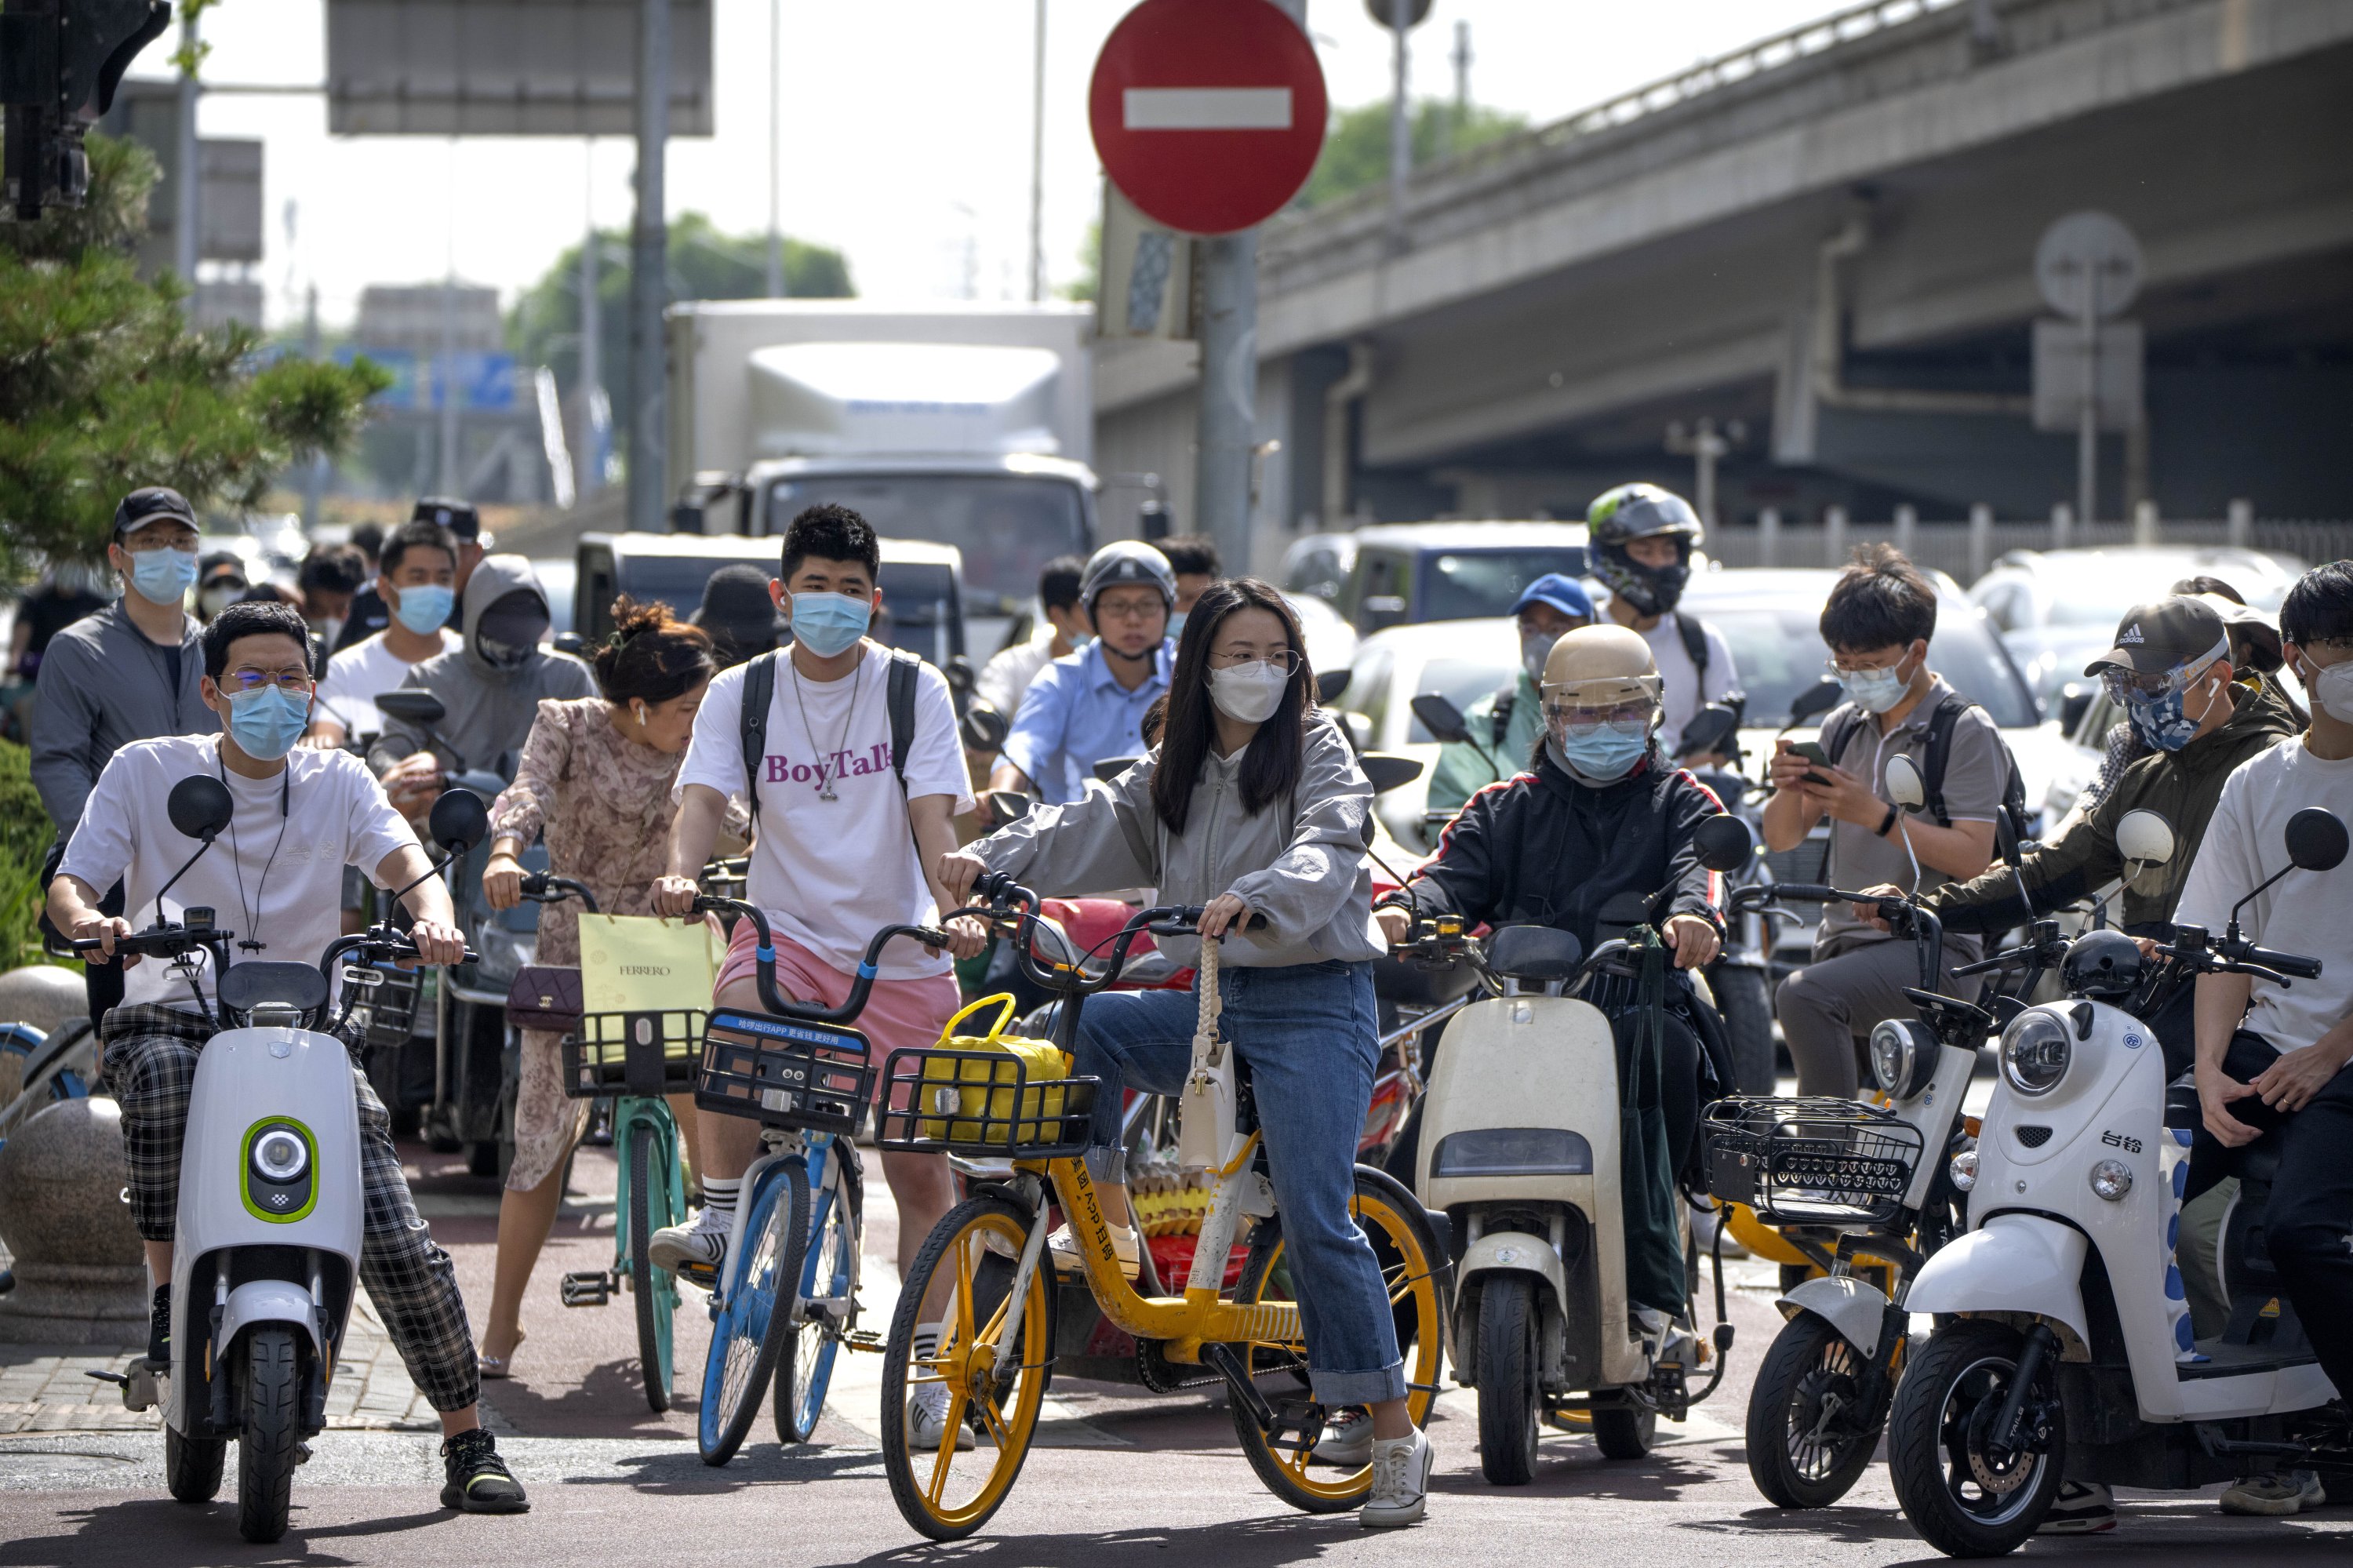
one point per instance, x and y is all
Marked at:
(2071, 1354)
(1520, 1146)
(266, 1257)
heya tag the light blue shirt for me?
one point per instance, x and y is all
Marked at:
(1075, 715)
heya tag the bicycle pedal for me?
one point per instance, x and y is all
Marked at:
(702, 1276)
(587, 1289)
(864, 1340)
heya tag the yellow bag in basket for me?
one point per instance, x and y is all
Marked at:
(1040, 1109)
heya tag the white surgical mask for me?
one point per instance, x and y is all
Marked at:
(2331, 690)
(1535, 647)
(1249, 693)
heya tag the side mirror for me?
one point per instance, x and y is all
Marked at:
(1440, 717)
(1904, 785)
(1330, 684)
(572, 642)
(1814, 701)
(458, 821)
(1724, 842)
(1110, 768)
(1386, 771)
(199, 806)
(2143, 839)
(1007, 806)
(962, 676)
(412, 706)
(983, 729)
(1709, 731)
(2315, 839)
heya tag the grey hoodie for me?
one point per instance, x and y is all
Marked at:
(1300, 863)
(103, 685)
(489, 710)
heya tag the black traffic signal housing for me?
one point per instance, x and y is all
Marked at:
(60, 61)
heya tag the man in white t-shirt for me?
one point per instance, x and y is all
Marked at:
(2271, 1059)
(417, 578)
(1642, 539)
(839, 849)
(1062, 627)
(298, 818)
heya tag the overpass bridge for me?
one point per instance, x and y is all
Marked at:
(1822, 243)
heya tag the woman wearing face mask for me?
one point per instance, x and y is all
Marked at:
(1253, 806)
(594, 780)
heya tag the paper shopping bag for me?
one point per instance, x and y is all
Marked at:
(641, 963)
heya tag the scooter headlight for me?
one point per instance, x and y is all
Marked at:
(1964, 1170)
(279, 1155)
(1903, 1057)
(2112, 1178)
(2035, 1051)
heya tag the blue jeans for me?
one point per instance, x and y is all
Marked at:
(1310, 1036)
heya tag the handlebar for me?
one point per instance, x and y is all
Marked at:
(861, 984)
(1006, 896)
(546, 887)
(2250, 956)
(168, 941)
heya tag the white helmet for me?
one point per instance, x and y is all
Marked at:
(1126, 562)
(1597, 672)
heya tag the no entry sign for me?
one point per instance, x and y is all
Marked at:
(1208, 114)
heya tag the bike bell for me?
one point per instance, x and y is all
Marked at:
(2104, 964)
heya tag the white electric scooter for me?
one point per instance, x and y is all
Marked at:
(1520, 1146)
(266, 1258)
(2070, 1353)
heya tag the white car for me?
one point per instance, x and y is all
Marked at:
(1466, 660)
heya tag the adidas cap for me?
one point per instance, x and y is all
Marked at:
(2154, 638)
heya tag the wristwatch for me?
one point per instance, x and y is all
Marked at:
(1887, 821)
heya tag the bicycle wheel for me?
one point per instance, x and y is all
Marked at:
(970, 1255)
(805, 1369)
(651, 1288)
(751, 1326)
(1409, 1263)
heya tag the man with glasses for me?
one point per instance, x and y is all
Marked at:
(130, 672)
(271, 878)
(1090, 706)
(1877, 621)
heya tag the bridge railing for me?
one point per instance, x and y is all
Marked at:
(1965, 550)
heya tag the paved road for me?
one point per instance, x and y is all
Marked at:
(1119, 1478)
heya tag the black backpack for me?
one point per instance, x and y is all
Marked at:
(1689, 628)
(760, 691)
(1935, 754)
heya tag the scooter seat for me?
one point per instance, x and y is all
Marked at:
(283, 984)
(1541, 954)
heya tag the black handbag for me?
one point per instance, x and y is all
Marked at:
(543, 996)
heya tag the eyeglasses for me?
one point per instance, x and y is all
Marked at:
(1286, 660)
(1123, 609)
(1837, 670)
(1626, 718)
(294, 682)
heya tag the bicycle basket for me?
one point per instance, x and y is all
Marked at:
(783, 1072)
(651, 1052)
(983, 1102)
(1811, 1159)
(383, 1003)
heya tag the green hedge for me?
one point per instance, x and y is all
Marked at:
(24, 837)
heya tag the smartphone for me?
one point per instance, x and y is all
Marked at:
(1811, 750)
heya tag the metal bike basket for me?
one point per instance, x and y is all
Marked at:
(783, 1072)
(983, 1102)
(1811, 1159)
(651, 1052)
(384, 999)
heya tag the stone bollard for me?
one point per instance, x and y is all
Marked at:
(80, 1279)
(45, 996)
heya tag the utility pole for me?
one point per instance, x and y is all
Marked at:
(590, 459)
(2087, 430)
(776, 144)
(1461, 83)
(1706, 445)
(1400, 120)
(649, 263)
(187, 205)
(1037, 163)
(445, 372)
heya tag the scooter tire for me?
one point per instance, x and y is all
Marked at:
(268, 1450)
(1623, 1433)
(1964, 1364)
(1783, 1401)
(192, 1465)
(1744, 1003)
(1510, 1401)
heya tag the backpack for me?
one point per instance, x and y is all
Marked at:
(1936, 754)
(1689, 628)
(760, 691)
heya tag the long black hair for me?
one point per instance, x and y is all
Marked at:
(1271, 765)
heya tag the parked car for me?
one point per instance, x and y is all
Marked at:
(1403, 574)
(1317, 566)
(1463, 659)
(2054, 609)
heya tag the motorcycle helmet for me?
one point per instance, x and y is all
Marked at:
(1631, 511)
(2104, 964)
(1125, 561)
(1601, 675)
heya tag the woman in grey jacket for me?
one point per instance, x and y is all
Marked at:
(1252, 806)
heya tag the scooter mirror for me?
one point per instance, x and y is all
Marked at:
(2143, 839)
(1724, 842)
(1709, 731)
(983, 728)
(199, 806)
(1329, 684)
(1440, 717)
(412, 706)
(962, 676)
(1386, 771)
(1904, 785)
(458, 821)
(1110, 768)
(1814, 701)
(2315, 839)
(1007, 806)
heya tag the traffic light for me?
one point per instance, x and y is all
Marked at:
(59, 63)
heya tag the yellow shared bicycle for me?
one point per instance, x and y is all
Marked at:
(985, 1273)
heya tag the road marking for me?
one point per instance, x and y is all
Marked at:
(1206, 109)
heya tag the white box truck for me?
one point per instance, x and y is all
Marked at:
(971, 426)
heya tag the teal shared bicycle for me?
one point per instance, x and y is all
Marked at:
(787, 1300)
(637, 1058)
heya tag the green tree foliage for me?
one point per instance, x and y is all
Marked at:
(24, 840)
(544, 328)
(104, 388)
(1356, 154)
(1084, 287)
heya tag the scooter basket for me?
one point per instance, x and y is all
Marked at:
(384, 998)
(981, 1102)
(651, 1052)
(1811, 1159)
(782, 1072)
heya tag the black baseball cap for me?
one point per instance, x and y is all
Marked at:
(148, 504)
(2155, 638)
(445, 512)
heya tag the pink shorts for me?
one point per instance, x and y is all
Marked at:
(900, 1014)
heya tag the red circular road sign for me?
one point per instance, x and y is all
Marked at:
(1208, 114)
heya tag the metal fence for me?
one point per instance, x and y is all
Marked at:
(1964, 550)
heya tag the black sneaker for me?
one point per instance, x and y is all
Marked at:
(480, 1482)
(159, 1329)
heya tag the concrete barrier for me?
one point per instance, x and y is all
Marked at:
(80, 1275)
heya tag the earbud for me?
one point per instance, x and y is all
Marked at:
(644, 715)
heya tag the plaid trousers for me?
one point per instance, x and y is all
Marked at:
(150, 1065)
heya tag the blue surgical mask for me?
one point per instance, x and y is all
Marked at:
(1873, 691)
(266, 724)
(1600, 751)
(163, 577)
(829, 623)
(424, 606)
(1176, 624)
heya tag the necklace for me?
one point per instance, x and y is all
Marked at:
(252, 913)
(825, 776)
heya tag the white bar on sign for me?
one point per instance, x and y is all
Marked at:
(1206, 108)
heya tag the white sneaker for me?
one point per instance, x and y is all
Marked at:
(1063, 1249)
(927, 1408)
(2276, 1496)
(1400, 1481)
(701, 1246)
(1347, 1439)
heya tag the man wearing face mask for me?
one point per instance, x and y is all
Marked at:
(1506, 725)
(491, 687)
(1641, 538)
(131, 671)
(221, 582)
(1090, 706)
(370, 614)
(327, 578)
(418, 576)
(1877, 621)
(1193, 557)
